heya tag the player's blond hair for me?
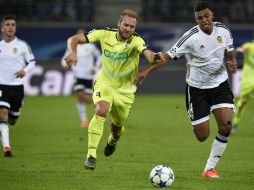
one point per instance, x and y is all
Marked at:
(128, 12)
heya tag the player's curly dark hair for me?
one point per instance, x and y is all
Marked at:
(201, 5)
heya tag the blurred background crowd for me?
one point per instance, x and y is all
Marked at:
(47, 24)
(232, 11)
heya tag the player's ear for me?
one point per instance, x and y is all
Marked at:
(195, 17)
(212, 15)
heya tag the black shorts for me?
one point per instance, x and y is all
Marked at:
(83, 85)
(12, 97)
(201, 102)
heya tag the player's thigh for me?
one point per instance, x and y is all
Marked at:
(121, 108)
(83, 84)
(11, 99)
(222, 107)
(3, 114)
(16, 103)
(197, 105)
(202, 130)
(221, 97)
(102, 94)
(4, 103)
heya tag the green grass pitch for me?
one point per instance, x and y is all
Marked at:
(50, 149)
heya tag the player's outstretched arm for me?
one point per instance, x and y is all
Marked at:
(72, 43)
(159, 59)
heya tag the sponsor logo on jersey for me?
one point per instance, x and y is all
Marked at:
(115, 55)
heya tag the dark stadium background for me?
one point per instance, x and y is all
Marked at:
(46, 25)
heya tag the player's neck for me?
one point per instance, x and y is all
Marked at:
(120, 38)
(9, 38)
(208, 31)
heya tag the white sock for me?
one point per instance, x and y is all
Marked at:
(81, 110)
(5, 134)
(218, 147)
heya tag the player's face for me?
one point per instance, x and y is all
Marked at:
(126, 27)
(204, 19)
(9, 28)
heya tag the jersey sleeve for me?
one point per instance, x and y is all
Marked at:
(246, 45)
(95, 35)
(229, 40)
(29, 58)
(180, 47)
(141, 44)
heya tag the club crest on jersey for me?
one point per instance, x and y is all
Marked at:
(219, 38)
(127, 45)
(15, 50)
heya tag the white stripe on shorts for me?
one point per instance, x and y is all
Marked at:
(14, 113)
(5, 104)
(206, 118)
(223, 105)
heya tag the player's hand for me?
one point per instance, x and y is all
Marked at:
(20, 74)
(71, 59)
(93, 71)
(158, 57)
(232, 66)
(140, 77)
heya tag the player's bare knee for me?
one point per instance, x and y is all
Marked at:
(3, 119)
(102, 109)
(202, 133)
(4, 115)
(225, 128)
(102, 112)
(201, 138)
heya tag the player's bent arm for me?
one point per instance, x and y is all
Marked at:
(149, 55)
(231, 62)
(160, 59)
(73, 42)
